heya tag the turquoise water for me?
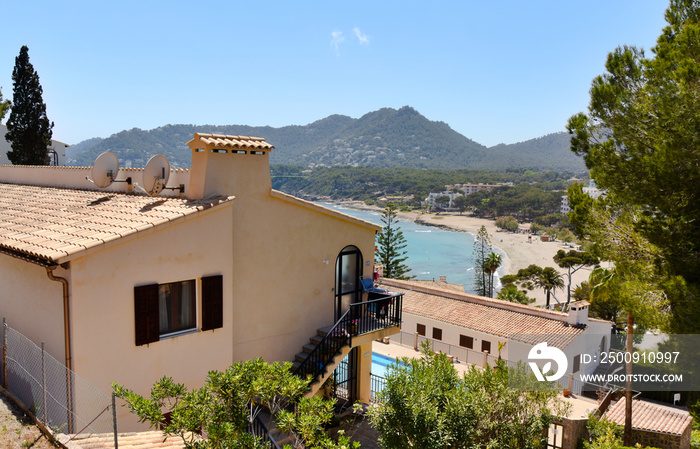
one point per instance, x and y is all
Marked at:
(380, 363)
(432, 252)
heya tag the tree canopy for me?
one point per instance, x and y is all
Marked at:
(224, 408)
(639, 138)
(426, 404)
(4, 106)
(28, 128)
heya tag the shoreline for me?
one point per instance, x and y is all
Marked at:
(518, 253)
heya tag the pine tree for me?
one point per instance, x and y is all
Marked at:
(28, 128)
(391, 244)
(482, 249)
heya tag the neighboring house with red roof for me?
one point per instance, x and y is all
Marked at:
(128, 288)
(470, 325)
(653, 424)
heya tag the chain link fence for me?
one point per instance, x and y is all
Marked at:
(55, 395)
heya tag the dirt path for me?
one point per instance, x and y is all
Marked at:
(17, 430)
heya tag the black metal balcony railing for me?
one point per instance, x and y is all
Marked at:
(361, 318)
(377, 384)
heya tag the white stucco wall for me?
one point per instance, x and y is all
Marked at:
(32, 303)
(103, 307)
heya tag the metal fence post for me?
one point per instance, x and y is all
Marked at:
(114, 420)
(43, 383)
(4, 353)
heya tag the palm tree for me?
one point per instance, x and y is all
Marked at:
(491, 264)
(549, 279)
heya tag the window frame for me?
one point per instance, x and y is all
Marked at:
(437, 334)
(420, 329)
(466, 339)
(207, 309)
(193, 327)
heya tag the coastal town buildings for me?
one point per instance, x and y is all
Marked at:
(592, 190)
(219, 267)
(455, 190)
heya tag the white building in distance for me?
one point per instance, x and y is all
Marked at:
(57, 150)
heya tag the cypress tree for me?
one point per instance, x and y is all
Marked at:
(28, 128)
(391, 244)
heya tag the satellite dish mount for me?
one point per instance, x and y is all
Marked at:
(105, 171)
(156, 175)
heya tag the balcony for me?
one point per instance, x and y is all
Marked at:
(378, 317)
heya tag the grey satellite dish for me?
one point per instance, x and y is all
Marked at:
(156, 174)
(105, 169)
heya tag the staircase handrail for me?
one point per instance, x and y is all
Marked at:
(350, 324)
(339, 336)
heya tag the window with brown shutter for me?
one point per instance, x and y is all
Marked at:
(466, 342)
(485, 346)
(420, 328)
(212, 302)
(146, 314)
(437, 333)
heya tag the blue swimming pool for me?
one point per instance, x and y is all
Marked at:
(380, 363)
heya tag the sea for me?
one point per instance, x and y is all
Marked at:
(433, 252)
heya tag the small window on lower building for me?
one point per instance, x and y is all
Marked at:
(420, 329)
(437, 333)
(486, 346)
(466, 342)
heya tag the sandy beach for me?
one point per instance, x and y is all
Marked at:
(518, 252)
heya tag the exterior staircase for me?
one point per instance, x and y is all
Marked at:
(329, 359)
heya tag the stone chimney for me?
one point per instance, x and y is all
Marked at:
(228, 165)
(578, 313)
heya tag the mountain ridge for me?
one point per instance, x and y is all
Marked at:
(383, 138)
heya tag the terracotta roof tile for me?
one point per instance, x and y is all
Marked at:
(50, 223)
(223, 141)
(486, 315)
(651, 417)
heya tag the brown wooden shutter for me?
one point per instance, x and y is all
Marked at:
(212, 302)
(146, 314)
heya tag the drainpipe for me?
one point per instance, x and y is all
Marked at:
(66, 338)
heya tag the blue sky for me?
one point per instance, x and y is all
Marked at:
(496, 71)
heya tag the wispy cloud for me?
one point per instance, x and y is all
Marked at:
(363, 38)
(337, 38)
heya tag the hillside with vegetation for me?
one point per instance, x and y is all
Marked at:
(383, 139)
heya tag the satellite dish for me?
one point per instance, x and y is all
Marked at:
(156, 174)
(105, 169)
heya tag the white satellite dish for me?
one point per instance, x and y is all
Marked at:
(156, 174)
(105, 169)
